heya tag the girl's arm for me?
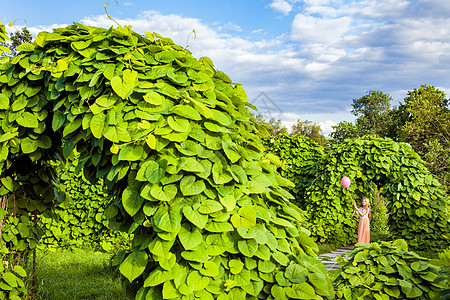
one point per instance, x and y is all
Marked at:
(364, 213)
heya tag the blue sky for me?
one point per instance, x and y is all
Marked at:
(296, 59)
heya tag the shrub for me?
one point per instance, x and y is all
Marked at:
(444, 273)
(386, 270)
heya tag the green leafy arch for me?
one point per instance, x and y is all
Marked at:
(173, 139)
(418, 205)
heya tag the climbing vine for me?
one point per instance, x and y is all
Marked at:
(297, 155)
(418, 207)
(80, 220)
(173, 140)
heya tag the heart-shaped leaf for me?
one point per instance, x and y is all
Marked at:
(134, 265)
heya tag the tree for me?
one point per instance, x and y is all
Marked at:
(270, 127)
(427, 129)
(344, 130)
(372, 112)
(17, 38)
(309, 129)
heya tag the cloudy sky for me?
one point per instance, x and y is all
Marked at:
(296, 59)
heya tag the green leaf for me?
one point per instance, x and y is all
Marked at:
(153, 98)
(280, 258)
(235, 266)
(210, 269)
(419, 266)
(187, 111)
(72, 126)
(10, 279)
(190, 164)
(209, 206)
(131, 199)
(188, 148)
(28, 120)
(19, 104)
(266, 266)
(246, 217)
(220, 176)
(44, 142)
(123, 86)
(97, 125)
(189, 186)
(29, 145)
(278, 292)
(165, 193)
(296, 273)
(8, 183)
(4, 101)
(195, 217)
(221, 118)
(229, 202)
(301, 291)
(179, 124)
(167, 219)
(134, 265)
(131, 152)
(168, 261)
(155, 171)
(169, 291)
(8, 135)
(20, 271)
(248, 247)
(157, 277)
(189, 237)
(214, 226)
(58, 120)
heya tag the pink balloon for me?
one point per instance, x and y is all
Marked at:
(346, 182)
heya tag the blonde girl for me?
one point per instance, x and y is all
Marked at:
(364, 220)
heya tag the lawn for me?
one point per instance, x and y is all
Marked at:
(76, 275)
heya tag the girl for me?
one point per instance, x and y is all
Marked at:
(364, 220)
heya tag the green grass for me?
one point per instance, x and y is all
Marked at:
(76, 275)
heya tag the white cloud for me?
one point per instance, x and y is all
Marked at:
(281, 6)
(319, 30)
(335, 51)
(229, 26)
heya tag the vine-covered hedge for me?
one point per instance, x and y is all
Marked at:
(297, 154)
(80, 220)
(18, 233)
(174, 141)
(418, 206)
(387, 270)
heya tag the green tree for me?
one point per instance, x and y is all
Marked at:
(17, 38)
(344, 130)
(372, 112)
(373, 118)
(309, 129)
(427, 129)
(270, 127)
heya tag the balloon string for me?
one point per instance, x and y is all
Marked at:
(351, 197)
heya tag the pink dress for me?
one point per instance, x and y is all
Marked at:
(364, 228)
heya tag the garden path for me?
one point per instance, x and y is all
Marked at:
(328, 259)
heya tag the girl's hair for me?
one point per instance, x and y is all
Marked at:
(368, 206)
